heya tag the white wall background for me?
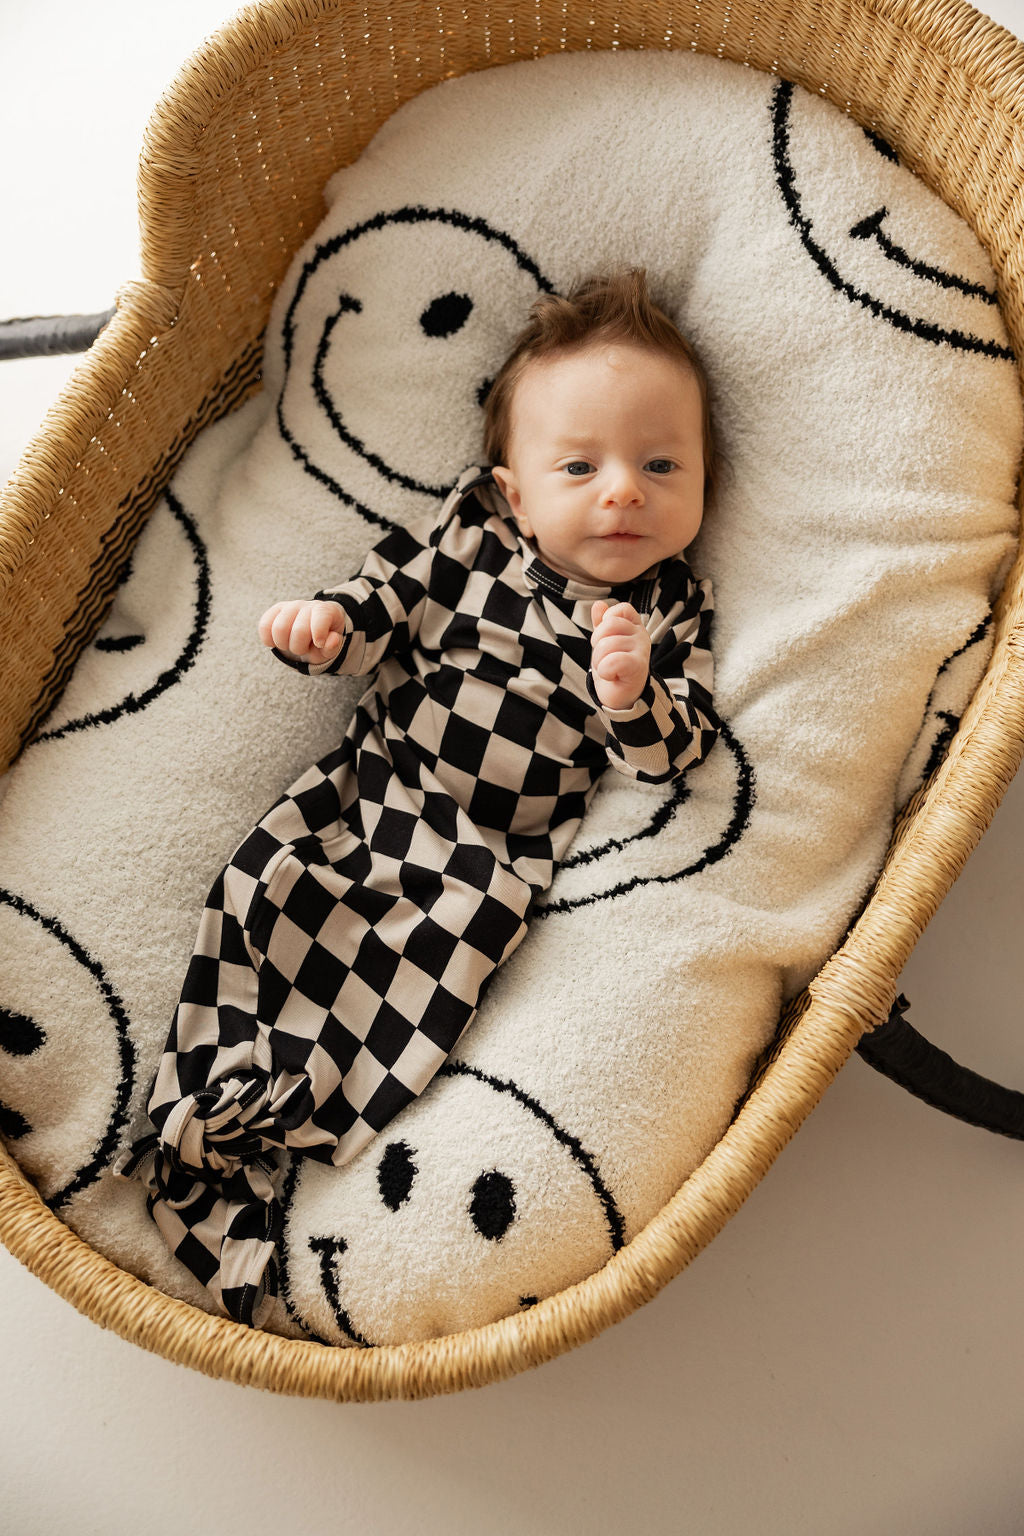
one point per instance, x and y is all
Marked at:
(847, 1359)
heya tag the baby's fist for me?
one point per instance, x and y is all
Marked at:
(620, 654)
(306, 631)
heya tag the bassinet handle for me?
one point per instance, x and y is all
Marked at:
(51, 335)
(897, 1051)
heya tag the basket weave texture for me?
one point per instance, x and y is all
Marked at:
(232, 170)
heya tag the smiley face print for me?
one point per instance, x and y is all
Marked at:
(61, 1120)
(420, 1232)
(390, 342)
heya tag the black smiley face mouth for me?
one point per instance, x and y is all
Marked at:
(443, 318)
(873, 228)
(870, 229)
(175, 523)
(718, 847)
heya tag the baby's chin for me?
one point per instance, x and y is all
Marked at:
(615, 561)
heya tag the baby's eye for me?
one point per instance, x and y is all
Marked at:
(660, 466)
(578, 467)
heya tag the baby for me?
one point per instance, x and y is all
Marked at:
(542, 626)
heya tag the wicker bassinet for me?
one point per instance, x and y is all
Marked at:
(230, 185)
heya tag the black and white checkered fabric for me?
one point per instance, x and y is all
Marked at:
(345, 947)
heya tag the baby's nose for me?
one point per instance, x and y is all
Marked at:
(623, 487)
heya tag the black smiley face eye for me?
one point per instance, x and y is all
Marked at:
(483, 392)
(446, 314)
(395, 1174)
(493, 1205)
(13, 1125)
(19, 1035)
(884, 148)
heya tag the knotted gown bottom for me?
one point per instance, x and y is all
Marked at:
(341, 954)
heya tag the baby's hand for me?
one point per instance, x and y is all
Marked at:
(620, 654)
(306, 631)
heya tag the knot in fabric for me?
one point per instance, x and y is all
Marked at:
(221, 1127)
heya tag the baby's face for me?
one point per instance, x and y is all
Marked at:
(605, 466)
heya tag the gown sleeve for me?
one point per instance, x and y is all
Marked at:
(384, 603)
(673, 723)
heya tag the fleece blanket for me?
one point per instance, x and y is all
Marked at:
(868, 409)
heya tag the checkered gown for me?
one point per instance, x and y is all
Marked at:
(345, 947)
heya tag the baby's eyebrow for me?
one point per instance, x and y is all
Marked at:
(660, 449)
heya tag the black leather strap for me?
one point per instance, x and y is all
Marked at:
(897, 1051)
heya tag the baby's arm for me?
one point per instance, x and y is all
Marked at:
(305, 631)
(666, 721)
(354, 625)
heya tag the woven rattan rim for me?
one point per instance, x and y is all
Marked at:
(946, 87)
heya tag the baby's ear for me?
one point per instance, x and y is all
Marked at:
(505, 481)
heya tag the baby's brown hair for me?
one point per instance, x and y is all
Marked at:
(598, 309)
